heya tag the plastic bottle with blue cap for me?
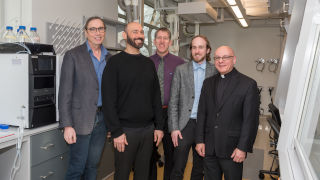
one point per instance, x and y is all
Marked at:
(22, 35)
(8, 35)
(34, 37)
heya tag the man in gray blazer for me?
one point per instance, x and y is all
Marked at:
(80, 102)
(183, 106)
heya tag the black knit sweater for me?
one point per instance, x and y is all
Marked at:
(131, 93)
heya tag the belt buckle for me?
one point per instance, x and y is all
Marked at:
(164, 107)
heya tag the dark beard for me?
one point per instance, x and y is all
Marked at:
(133, 44)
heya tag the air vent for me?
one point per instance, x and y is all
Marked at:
(199, 12)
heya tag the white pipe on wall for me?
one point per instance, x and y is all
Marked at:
(173, 20)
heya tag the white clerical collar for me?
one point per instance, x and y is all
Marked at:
(222, 76)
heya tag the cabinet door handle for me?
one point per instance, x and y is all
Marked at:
(47, 146)
(50, 173)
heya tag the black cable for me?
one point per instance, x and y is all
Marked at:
(270, 93)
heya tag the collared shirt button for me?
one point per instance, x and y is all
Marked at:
(218, 114)
(216, 126)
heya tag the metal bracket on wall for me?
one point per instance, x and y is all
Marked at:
(64, 35)
(260, 64)
(273, 65)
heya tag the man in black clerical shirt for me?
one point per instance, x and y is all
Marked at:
(228, 118)
(132, 106)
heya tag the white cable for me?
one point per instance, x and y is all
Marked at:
(17, 160)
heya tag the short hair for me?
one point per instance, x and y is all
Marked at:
(208, 58)
(91, 19)
(164, 29)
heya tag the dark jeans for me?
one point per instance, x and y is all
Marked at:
(168, 153)
(214, 167)
(181, 154)
(85, 153)
(137, 154)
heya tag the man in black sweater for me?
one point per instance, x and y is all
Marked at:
(132, 106)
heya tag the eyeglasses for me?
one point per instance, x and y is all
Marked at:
(94, 29)
(224, 58)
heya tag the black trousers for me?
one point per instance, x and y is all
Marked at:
(168, 153)
(181, 154)
(137, 154)
(214, 167)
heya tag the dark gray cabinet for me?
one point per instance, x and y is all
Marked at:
(54, 168)
(49, 155)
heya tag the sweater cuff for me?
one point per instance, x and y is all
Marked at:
(116, 133)
(159, 127)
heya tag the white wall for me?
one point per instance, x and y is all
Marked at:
(74, 10)
(38, 12)
(261, 40)
(15, 13)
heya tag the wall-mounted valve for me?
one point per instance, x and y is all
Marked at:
(260, 64)
(273, 65)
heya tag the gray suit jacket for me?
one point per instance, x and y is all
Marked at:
(78, 90)
(182, 95)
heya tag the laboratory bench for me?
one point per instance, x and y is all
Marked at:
(44, 154)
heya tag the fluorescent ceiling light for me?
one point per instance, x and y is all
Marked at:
(232, 2)
(237, 12)
(243, 23)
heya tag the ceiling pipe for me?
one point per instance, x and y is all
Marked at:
(122, 5)
(163, 15)
(135, 7)
(186, 32)
(128, 10)
(174, 29)
(132, 9)
(141, 10)
(221, 17)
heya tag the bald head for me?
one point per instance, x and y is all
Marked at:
(224, 59)
(131, 25)
(224, 49)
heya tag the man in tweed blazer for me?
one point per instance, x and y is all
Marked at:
(80, 102)
(183, 106)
